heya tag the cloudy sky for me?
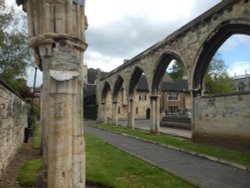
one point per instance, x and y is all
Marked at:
(120, 29)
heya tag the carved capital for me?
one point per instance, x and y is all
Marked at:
(52, 38)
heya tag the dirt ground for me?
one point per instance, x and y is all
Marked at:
(25, 153)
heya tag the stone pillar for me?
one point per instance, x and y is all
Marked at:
(155, 114)
(100, 112)
(104, 113)
(56, 33)
(195, 94)
(131, 114)
(114, 113)
(98, 97)
(63, 120)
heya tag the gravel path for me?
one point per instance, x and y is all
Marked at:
(25, 153)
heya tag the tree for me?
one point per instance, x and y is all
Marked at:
(176, 70)
(217, 79)
(14, 51)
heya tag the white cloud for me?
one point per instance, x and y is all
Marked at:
(31, 75)
(239, 68)
(105, 63)
(245, 39)
(101, 13)
(120, 29)
(235, 40)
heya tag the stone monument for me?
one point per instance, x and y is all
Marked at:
(56, 33)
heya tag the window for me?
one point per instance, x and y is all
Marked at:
(119, 110)
(173, 109)
(142, 96)
(136, 110)
(173, 96)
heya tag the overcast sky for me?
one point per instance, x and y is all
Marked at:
(121, 29)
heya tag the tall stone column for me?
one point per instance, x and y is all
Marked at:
(56, 33)
(99, 97)
(100, 112)
(114, 113)
(104, 113)
(195, 96)
(131, 114)
(155, 114)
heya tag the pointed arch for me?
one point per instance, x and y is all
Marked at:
(211, 45)
(105, 90)
(138, 71)
(161, 67)
(117, 87)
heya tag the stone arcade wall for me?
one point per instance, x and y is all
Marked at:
(13, 120)
(223, 120)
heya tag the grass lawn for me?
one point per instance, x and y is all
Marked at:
(227, 154)
(112, 167)
(108, 166)
(36, 139)
(29, 172)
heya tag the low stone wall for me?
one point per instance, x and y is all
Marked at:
(223, 120)
(13, 120)
(176, 121)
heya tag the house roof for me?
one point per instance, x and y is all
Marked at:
(92, 74)
(142, 84)
(175, 86)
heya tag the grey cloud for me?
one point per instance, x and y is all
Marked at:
(131, 35)
(127, 37)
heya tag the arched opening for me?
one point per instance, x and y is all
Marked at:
(107, 103)
(138, 93)
(148, 113)
(170, 86)
(222, 116)
(211, 46)
(119, 101)
(134, 80)
(117, 87)
(105, 90)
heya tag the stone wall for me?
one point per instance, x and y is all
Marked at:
(223, 120)
(141, 103)
(13, 120)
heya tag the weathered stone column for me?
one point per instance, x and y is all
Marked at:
(104, 113)
(56, 33)
(131, 113)
(155, 114)
(99, 101)
(100, 112)
(195, 95)
(114, 113)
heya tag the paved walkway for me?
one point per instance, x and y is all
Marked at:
(203, 172)
(145, 124)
